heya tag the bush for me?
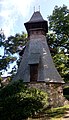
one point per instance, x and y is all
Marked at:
(18, 102)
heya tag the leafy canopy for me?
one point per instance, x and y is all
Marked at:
(58, 39)
(11, 46)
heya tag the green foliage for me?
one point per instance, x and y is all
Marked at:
(10, 46)
(14, 42)
(5, 61)
(61, 63)
(58, 39)
(1, 82)
(2, 38)
(18, 102)
(59, 20)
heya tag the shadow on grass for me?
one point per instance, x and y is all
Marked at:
(52, 113)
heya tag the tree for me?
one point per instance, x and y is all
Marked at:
(10, 46)
(58, 39)
(4, 58)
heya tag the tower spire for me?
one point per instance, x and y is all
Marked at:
(36, 8)
(37, 64)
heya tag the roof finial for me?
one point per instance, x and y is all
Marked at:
(34, 8)
(39, 8)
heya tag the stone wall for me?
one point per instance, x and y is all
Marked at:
(55, 92)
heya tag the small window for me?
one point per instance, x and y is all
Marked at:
(33, 72)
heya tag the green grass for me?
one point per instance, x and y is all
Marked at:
(53, 113)
(57, 112)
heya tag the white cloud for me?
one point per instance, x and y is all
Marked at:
(10, 10)
(23, 6)
(5, 13)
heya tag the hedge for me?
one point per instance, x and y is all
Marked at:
(18, 102)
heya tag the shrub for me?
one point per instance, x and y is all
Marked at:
(18, 102)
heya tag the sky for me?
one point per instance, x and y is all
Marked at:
(14, 13)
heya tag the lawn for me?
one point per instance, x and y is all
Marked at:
(59, 112)
(53, 114)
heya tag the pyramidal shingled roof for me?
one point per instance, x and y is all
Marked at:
(36, 17)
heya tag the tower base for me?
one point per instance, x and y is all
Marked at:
(55, 92)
